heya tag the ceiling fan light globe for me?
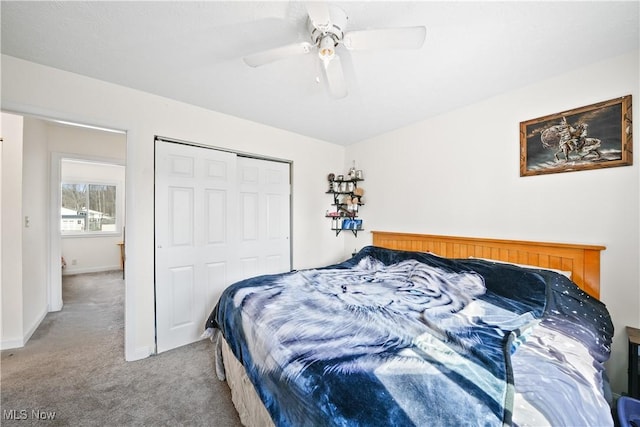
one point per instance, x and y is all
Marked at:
(326, 54)
(327, 48)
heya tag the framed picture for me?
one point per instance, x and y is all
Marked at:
(590, 137)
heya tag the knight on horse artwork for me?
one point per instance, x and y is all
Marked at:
(590, 137)
(567, 139)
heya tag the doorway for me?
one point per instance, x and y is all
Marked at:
(32, 166)
(84, 235)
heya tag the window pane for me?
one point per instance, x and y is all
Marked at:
(74, 207)
(102, 208)
(88, 207)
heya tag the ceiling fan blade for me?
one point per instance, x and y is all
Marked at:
(319, 14)
(335, 77)
(276, 54)
(386, 38)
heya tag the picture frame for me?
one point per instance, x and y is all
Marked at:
(590, 137)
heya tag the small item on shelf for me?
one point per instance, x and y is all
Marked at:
(352, 171)
(352, 224)
(359, 174)
(340, 178)
(359, 191)
(330, 178)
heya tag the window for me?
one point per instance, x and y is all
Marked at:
(88, 208)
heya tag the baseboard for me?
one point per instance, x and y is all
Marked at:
(57, 307)
(34, 327)
(138, 354)
(9, 344)
(20, 342)
(68, 272)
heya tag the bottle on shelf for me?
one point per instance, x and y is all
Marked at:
(352, 171)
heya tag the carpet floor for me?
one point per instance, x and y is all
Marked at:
(72, 371)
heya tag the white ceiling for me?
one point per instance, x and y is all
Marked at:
(192, 52)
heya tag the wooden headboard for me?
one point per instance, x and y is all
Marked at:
(583, 261)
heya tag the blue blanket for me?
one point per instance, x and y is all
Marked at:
(397, 338)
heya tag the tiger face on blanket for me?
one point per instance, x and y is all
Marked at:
(358, 319)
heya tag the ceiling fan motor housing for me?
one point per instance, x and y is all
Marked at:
(321, 31)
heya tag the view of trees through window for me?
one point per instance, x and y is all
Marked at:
(88, 208)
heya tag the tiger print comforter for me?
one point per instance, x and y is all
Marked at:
(393, 338)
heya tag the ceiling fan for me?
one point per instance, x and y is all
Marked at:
(326, 25)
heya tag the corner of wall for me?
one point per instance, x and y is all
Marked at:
(11, 292)
(29, 332)
(137, 354)
(7, 344)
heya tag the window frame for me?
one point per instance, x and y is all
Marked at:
(88, 233)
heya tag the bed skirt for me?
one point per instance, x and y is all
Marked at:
(250, 408)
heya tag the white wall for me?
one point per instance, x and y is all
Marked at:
(35, 238)
(43, 91)
(458, 174)
(11, 200)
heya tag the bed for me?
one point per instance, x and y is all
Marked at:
(421, 330)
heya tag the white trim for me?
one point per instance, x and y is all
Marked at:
(70, 272)
(54, 288)
(138, 354)
(91, 234)
(9, 344)
(131, 352)
(35, 325)
(81, 125)
(20, 342)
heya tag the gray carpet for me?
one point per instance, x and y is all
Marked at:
(73, 368)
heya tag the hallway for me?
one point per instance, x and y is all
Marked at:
(72, 370)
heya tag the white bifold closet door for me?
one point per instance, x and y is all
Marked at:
(219, 218)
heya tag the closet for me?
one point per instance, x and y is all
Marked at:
(219, 217)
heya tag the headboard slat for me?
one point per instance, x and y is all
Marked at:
(583, 261)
